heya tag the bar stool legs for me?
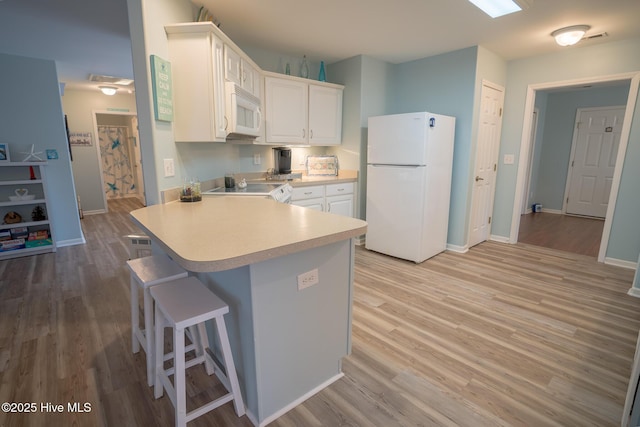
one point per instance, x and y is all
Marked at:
(181, 304)
(147, 272)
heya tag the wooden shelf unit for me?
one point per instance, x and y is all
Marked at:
(14, 175)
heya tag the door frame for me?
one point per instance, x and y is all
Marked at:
(97, 145)
(499, 88)
(574, 141)
(532, 146)
(634, 78)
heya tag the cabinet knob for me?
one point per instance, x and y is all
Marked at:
(304, 132)
(311, 133)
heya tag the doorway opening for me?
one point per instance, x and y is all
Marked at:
(119, 156)
(528, 152)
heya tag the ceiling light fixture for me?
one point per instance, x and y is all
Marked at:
(497, 8)
(108, 90)
(569, 36)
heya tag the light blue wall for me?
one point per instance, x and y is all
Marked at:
(31, 113)
(624, 242)
(568, 64)
(79, 106)
(444, 84)
(367, 82)
(557, 137)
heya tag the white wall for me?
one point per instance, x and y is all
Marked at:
(79, 106)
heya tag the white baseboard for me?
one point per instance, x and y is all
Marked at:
(97, 211)
(70, 242)
(500, 239)
(457, 248)
(634, 292)
(631, 265)
(293, 404)
(552, 211)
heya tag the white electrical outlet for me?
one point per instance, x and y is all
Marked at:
(256, 159)
(169, 168)
(307, 279)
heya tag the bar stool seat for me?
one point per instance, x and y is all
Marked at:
(147, 272)
(181, 304)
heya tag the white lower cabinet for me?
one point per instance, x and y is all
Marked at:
(334, 198)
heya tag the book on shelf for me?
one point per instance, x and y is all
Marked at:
(10, 245)
(38, 235)
(19, 233)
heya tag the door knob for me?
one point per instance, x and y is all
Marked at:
(479, 179)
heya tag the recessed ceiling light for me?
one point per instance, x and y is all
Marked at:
(497, 8)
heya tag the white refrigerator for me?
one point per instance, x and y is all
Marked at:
(409, 163)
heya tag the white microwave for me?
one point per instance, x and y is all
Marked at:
(243, 113)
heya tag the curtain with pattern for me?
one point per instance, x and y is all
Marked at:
(117, 171)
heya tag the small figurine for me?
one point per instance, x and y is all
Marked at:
(32, 155)
(38, 214)
(12, 218)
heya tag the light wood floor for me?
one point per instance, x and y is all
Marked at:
(574, 234)
(504, 335)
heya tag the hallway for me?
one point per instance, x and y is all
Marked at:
(567, 233)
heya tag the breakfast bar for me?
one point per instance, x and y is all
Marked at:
(286, 273)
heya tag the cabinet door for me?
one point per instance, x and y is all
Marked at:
(193, 87)
(286, 111)
(317, 204)
(340, 205)
(250, 79)
(218, 84)
(325, 115)
(232, 65)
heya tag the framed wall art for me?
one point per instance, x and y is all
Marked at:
(4, 152)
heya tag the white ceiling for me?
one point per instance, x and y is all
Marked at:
(91, 36)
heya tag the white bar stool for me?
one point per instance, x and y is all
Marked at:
(139, 245)
(147, 272)
(181, 304)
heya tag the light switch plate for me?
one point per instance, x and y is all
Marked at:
(509, 159)
(169, 168)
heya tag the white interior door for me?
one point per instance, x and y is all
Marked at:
(490, 126)
(595, 148)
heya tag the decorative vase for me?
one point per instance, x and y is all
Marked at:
(322, 76)
(304, 68)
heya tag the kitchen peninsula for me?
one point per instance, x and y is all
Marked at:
(287, 334)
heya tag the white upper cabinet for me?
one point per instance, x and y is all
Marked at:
(296, 110)
(325, 115)
(241, 72)
(197, 69)
(301, 112)
(286, 104)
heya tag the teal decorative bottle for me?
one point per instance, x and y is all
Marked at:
(322, 76)
(304, 68)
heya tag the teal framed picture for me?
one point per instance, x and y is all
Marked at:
(162, 89)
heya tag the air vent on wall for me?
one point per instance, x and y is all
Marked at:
(96, 78)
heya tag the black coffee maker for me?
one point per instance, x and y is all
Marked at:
(282, 160)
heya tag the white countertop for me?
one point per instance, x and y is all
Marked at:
(221, 233)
